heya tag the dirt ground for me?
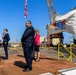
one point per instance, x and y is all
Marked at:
(48, 63)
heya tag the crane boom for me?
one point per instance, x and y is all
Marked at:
(51, 11)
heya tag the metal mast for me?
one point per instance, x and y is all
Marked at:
(51, 11)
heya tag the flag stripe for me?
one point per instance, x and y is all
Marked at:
(25, 9)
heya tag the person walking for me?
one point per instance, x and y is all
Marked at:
(27, 44)
(37, 44)
(6, 39)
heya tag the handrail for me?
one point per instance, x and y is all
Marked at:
(69, 51)
(71, 46)
(60, 53)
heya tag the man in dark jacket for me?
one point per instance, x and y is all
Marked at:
(6, 39)
(27, 44)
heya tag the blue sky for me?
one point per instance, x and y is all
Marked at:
(12, 15)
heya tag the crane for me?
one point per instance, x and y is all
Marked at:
(51, 11)
(52, 16)
(60, 23)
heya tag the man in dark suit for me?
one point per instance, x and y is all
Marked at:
(6, 39)
(27, 44)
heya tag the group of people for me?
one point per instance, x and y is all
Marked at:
(30, 40)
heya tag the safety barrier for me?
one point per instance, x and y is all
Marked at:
(70, 51)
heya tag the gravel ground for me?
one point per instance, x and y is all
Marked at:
(49, 52)
(53, 52)
(16, 62)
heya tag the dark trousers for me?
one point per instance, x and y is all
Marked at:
(28, 56)
(61, 40)
(74, 41)
(6, 50)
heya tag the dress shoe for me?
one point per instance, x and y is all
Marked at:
(28, 69)
(6, 59)
(25, 66)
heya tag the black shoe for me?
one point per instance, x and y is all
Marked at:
(25, 66)
(6, 59)
(28, 69)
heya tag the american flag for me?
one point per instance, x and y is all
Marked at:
(25, 9)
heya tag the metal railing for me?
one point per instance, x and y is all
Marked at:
(70, 51)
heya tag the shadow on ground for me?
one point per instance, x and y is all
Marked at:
(19, 64)
(2, 57)
(20, 56)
